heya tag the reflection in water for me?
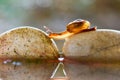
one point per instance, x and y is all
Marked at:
(16, 63)
(7, 61)
(59, 79)
(59, 72)
(25, 68)
(42, 70)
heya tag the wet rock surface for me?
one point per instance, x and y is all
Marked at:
(99, 45)
(27, 42)
(26, 54)
(93, 55)
(93, 71)
(26, 69)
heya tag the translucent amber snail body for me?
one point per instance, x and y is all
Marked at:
(74, 27)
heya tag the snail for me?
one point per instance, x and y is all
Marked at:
(74, 27)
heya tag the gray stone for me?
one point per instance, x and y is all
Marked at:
(27, 42)
(26, 54)
(93, 55)
(97, 45)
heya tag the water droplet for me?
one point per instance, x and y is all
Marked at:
(16, 63)
(61, 59)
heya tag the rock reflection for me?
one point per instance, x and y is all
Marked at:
(8, 61)
(59, 79)
(25, 69)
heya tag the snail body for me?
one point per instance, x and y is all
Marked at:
(73, 27)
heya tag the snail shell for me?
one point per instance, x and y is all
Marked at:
(78, 25)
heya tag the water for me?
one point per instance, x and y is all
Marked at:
(65, 78)
(8, 61)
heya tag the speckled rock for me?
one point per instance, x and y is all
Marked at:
(26, 54)
(27, 42)
(93, 55)
(99, 45)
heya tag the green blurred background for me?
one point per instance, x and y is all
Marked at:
(55, 14)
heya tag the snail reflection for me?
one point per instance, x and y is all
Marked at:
(59, 73)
